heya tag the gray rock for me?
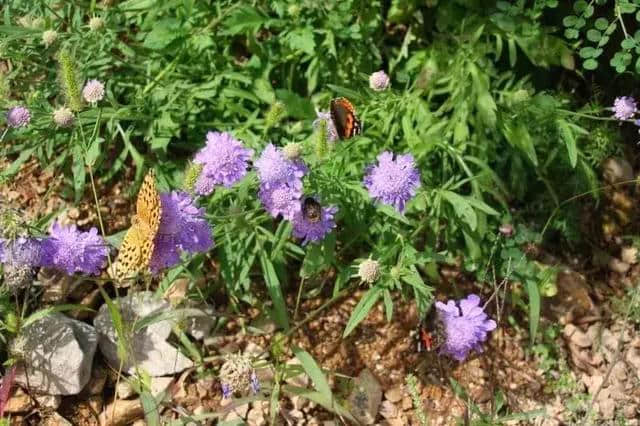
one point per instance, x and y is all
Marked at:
(57, 352)
(365, 397)
(199, 322)
(149, 349)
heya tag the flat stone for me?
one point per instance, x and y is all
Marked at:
(149, 349)
(51, 402)
(56, 419)
(124, 390)
(388, 410)
(629, 255)
(159, 385)
(394, 394)
(256, 417)
(365, 397)
(57, 353)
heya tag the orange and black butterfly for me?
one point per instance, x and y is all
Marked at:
(344, 117)
(311, 210)
(430, 331)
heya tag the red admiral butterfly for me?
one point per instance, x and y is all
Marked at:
(430, 331)
(344, 118)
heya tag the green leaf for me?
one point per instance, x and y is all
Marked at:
(579, 6)
(273, 286)
(163, 33)
(330, 405)
(302, 39)
(569, 21)
(594, 35)
(150, 406)
(243, 19)
(534, 308)
(628, 43)
(569, 140)
(587, 52)
(487, 109)
(314, 372)
(462, 208)
(571, 33)
(42, 313)
(362, 309)
(517, 135)
(590, 64)
(601, 24)
(79, 172)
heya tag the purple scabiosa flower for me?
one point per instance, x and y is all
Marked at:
(281, 200)
(224, 162)
(18, 116)
(69, 250)
(23, 251)
(624, 107)
(325, 119)
(311, 231)
(465, 326)
(182, 228)
(274, 169)
(379, 81)
(93, 91)
(392, 181)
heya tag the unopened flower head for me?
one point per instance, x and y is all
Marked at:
(292, 151)
(237, 375)
(96, 23)
(183, 228)
(275, 114)
(49, 37)
(369, 271)
(325, 126)
(624, 107)
(310, 231)
(379, 81)
(394, 180)
(224, 161)
(466, 326)
(191, 176)
(93, 91)
(18, 116)
(63, 117)
(70, 250)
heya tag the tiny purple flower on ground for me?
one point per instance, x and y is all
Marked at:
(274, 169)
(314, 231)
(183, 227)
(392, 181)
(93, 91)
(70, 250)
(379, 81)
(281, 200)
(466, 326)
(624, 107)
(324, 119)
(18, 116)
(224, 162)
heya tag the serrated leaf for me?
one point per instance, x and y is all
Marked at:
(163, 33)
(302, 39)
(462, 208)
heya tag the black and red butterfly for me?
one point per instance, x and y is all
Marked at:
(430, 333)
(344, 118)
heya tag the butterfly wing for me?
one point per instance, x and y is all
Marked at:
(137, 246)
(344, 117)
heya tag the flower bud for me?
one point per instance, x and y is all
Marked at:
(63, 117)
(369, 271)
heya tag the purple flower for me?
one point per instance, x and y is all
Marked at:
(392, 181)
(70, 250)
(281, 200)
(624, 107)
(379, 81)
(255, 384)
(465, 326)
(224, 161)
(18, 116)
(182, 228)
(324, 118)
(22, 251)
(314, 231)
(93, 91)
(274, 169)
(226, 391)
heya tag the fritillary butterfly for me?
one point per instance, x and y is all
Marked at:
(137, 245)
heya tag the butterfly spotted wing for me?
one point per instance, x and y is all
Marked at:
(137, 245)
(344, 117)
(311, 210)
